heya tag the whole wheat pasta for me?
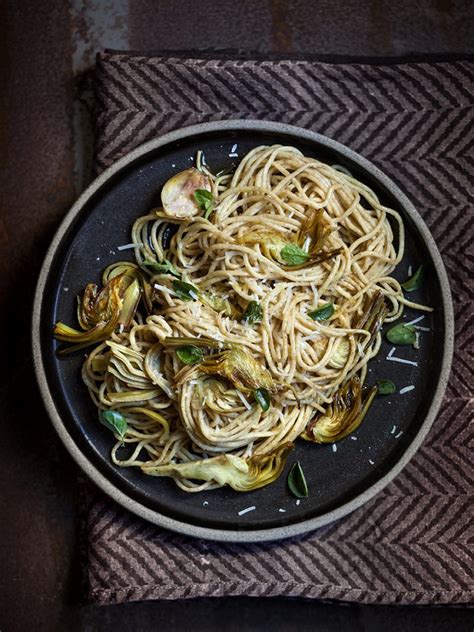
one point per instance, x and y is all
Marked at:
(308, 246)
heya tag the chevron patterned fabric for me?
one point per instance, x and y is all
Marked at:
(412, 543)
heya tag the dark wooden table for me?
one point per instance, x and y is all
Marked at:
(47, 50)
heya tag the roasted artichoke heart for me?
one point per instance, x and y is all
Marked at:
(241, 474)
(343, 415)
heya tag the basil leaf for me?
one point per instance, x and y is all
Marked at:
(385, 387)
(322, 313)
(162, 267)
(416, 281)
(185, 291)
(293, 255)
(253, 314)
(115, 421)
(402, 334)
(297, 482)
(262, 397)
(205, 201)
(190, 354)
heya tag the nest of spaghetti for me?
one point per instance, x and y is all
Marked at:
(245, 322)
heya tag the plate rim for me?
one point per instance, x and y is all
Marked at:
(251, 535)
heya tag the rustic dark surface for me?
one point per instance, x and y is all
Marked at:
(46, 49)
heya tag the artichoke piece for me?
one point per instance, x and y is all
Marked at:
(313, 233)
(374, 312)
(236, 365)
(312, 237)
(297, 253)
(219, 304)
(340, 354)
(241, 474)
(177, 195)
(239, 367)
(83, 339)
(232, 362)
(99, 314)
(98, 306)
(343, 415)
(152, 368)
(271, 243)
(133, 271)
(131, 298)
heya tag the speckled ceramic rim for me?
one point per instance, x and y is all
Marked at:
(257, 535)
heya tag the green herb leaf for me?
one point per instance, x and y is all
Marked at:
(297, 482)
(322, 313)
(293, 255)
(262, 397)
(185, 291)
(162, 267)
(253, 314)
(402, 334)
(385, 387)
(414, 282)
(190, 354)
(205, 201)
(115, 421)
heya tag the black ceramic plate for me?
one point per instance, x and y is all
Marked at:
(340, 477)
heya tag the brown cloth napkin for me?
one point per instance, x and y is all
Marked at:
(410, 545)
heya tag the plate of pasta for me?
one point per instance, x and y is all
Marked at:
(242, 330)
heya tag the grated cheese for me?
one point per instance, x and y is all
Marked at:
(311, 337)
(402, 361)
(354, 438)
(399, 434)
(407, 389)
(246, 510)
(234, 148)
(417, 320)
(422, 328)
(164, 289)
(393, 430)
(334, 447)
(371, 462)
(232, 155)
(128, 246)
(298, 502)
(410, 271)
(282, 510)
(307, 243)
(391, 352)
(244, 400)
